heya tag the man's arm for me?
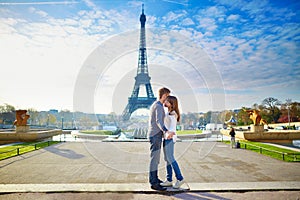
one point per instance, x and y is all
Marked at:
(160, 118)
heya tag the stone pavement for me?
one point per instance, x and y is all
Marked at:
(123, 167)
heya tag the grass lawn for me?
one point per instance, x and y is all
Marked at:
(97, 132)
(271, 151)
(188, 132)
(18, 149)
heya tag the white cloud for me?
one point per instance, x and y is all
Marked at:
(207, 23)
(136, 4)
(180, 2)
(213, 12)
(256, 8)
(251, 54)
(50, 53)
(187, 22)
(44, 59)
(232, 18)
(38, 12)
(172, 16)
(90, 4)
(6, 26)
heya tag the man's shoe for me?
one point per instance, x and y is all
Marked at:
(167, 184)
(158, 187)
(178, 184)
(160, 181)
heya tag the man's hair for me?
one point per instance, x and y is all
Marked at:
(163, 91)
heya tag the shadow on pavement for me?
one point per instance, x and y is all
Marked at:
(67, 153)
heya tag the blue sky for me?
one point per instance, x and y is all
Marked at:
(252, 46)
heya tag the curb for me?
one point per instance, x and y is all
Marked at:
(145, 188)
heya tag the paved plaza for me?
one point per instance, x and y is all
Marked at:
(123, 167)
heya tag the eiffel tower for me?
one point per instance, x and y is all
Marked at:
(142, 78)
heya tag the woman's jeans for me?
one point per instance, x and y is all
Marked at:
(171, 162)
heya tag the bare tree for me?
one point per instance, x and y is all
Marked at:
(7, 114)
(270, 105)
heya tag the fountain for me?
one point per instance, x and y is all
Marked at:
(22, 133)
(258, 133)
(140, 133)
(137, 135)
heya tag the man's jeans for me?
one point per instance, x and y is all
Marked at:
(171, 162)
(155, 147)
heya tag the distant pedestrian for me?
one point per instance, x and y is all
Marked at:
(232, 140)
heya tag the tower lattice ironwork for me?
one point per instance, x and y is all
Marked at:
(142, 78)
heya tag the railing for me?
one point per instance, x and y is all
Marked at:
(19, 152)
(284, 156)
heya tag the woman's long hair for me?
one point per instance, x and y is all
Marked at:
(174, 106)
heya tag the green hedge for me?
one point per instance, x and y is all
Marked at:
(188, 132)
(97, 132)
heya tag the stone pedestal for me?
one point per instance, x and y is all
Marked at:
(256, 128)
(22, 129)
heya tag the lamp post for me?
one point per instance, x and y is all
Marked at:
(73, 123)
(62, 123)
(288, 103)
(48, 121)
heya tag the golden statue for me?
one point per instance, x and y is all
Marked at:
(256, 117)
(21, 118)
